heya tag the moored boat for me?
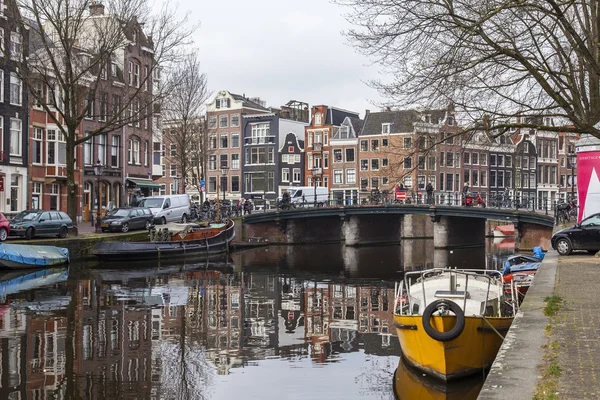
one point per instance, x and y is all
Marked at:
(451, 323)
(504, 230)
(32, 256)
(182, 245)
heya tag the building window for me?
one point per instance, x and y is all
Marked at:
(364, 145)
(467, 158)
(351, 175)
(173, 171)
(235, 161)
(212, 142)
(285, 174)
(421, 162)
(235, 120)
(223, 119)
(16, 48)
(114, 151)
(374, 182)
(212, 123)
(385, 162)
(364, 164)
(146, 152)
(318, 119)
(449, 159)
(223, 161)
(134, 152)
(173, 151)
(364, 184)
(235, 140)
(338, 176)
(163, 171)
(235, 184)
(296, 175)
(431, 163)
(36, 195)
(54, 196)
(16, 89)
(102, 148)
(475, 181)
(212, 162)
(224, 141)
(38, 137)
(421, 182)
(260, 133)
(407, 142)
(350, 155)
(407, 163)
(1, 78)
(16, 140)
(385, 128)
(374, 164)
(374, 144)
(337, 156)
(492, 160)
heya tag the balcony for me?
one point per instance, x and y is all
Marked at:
(259, 140)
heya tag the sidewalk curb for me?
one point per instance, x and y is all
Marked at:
(514, 374)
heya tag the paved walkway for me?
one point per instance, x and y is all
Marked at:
(515, 373)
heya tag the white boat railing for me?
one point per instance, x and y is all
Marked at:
(404, 299)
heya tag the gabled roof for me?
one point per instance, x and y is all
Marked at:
(246, 102)
(402, 121)
(356, 125)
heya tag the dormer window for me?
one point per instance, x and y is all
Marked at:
(318, 120)
(428, 119)
(385, 128)
(450, 121)
(223, 103)
(344, 132)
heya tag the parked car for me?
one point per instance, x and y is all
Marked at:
(124, 219)
(583, 236)
(33, 223)
(4, 228)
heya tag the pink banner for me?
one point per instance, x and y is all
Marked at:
(588, 184)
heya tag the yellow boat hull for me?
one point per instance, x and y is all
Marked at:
(473, 350)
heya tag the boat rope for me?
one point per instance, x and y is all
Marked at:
(492, 326)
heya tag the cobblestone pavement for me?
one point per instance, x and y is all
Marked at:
(578, 326)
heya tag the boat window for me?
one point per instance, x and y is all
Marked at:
(151, 203)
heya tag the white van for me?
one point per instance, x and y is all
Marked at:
(305, 195)
(168, 208)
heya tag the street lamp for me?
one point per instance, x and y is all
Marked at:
(315, 172)
(98, 170)
(572, 161)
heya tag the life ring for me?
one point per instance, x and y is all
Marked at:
(452, 333)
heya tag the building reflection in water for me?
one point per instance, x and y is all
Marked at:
(148, 334)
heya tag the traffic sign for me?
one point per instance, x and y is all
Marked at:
(202, 183)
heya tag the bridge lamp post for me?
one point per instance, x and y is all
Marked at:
(572, 161)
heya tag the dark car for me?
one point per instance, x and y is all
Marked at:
(124, 219)
(4, 228)
(33, 223)
(583, 236)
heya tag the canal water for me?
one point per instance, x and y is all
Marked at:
(290, 322)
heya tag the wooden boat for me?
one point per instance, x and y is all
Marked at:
(32, 256)
(451, 322)
(196, 245)
(504, 231)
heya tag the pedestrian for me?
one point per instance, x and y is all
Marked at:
(246, 207)
(429, 190)
(465, 188)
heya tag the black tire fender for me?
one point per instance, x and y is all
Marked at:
(452, 333)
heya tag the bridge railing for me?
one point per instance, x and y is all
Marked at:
(478, 199)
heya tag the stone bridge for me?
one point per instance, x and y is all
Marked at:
(450, 226)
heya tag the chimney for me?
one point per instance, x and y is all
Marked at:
(367, 112)
(96, 8)
(388, 109)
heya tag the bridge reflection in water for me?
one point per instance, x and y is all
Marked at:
(293, 322)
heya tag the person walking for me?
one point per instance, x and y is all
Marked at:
(429, 190)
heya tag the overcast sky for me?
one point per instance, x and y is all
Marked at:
(282, 50)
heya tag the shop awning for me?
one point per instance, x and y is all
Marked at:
(144, 183)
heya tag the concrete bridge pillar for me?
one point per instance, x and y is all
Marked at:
(532, 235)
(458, 232)
(371, 229)
(417, 226)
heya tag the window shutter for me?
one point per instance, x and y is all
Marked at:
(228, 103)
(218, 103)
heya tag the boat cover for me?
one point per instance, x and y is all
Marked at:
(528, 266)
(33, 255)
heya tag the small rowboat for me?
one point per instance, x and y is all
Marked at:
(15, 256)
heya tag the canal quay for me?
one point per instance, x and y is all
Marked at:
(311, 321)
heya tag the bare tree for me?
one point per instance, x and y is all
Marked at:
(75, 43)
(184, 125)
(507, 62)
